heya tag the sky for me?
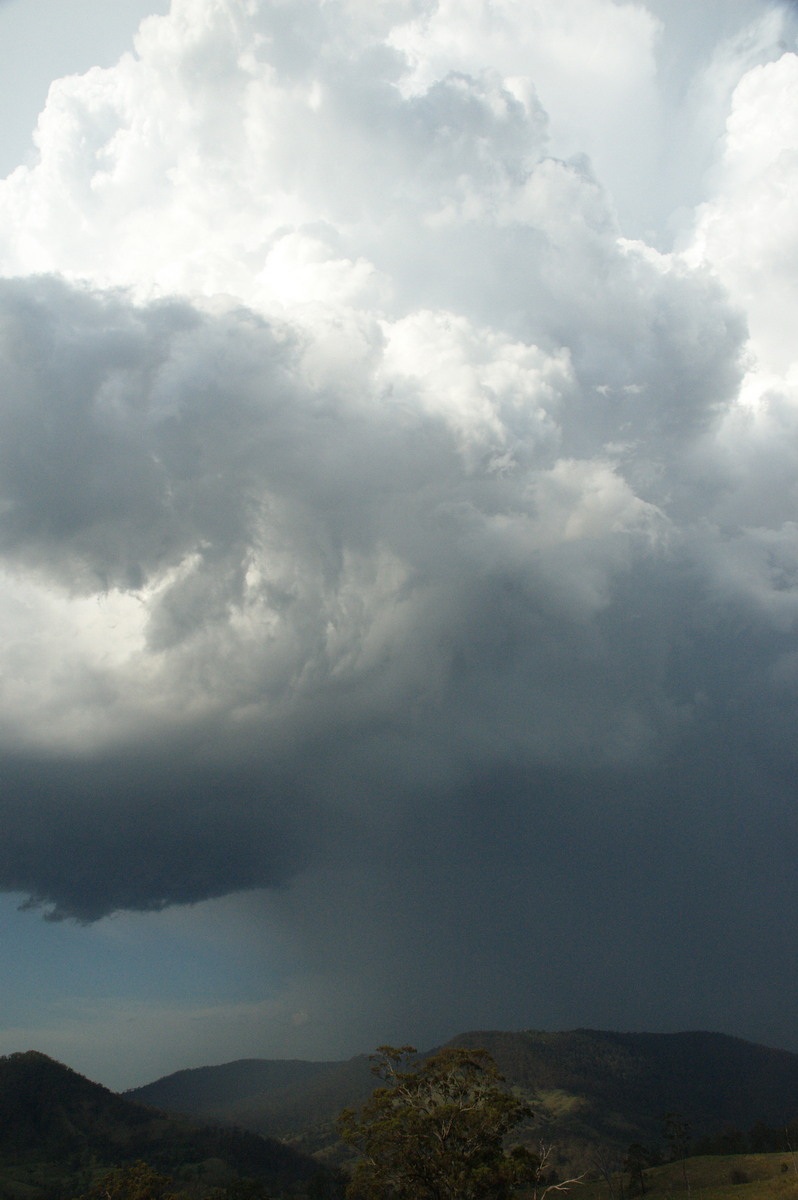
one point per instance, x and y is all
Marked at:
(398, 524)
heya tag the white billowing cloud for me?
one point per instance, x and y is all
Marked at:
(749, 233)
(345, 436)
(702, 53)
(310, 161)
(592, 65)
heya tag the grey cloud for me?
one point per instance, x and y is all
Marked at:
(88, 838)
(360, 613)
(559, 898)
(75, 465)
(439, 583)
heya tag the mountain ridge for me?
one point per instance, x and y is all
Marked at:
(61, 1129)
(587, 1087)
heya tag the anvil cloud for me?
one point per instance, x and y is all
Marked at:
(398, 495)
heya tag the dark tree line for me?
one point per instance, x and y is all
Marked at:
(760, 1139)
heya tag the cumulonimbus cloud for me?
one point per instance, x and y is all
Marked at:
(349, 452)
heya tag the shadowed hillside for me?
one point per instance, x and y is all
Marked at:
(588, 1088)
(58, 1130)
(615, 1087)
(294, 1100)
(207, 1090)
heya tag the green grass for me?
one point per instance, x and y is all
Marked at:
(714, 1177)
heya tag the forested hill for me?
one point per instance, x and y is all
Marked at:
(587, 1087)
(290, 1099)
(609, 1085)
(57, 1129)
(283, 1094)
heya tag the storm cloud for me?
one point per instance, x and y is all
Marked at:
(370, 477)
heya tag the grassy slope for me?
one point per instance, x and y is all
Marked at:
(769, 1176)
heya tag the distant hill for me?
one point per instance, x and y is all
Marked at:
(291, 1099)
(58, 1130)
(591, 1087)
(588, 1088)
(209, 1090)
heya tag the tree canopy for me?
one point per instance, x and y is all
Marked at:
(436, 1129)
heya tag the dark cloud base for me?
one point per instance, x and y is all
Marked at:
(90, 838)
